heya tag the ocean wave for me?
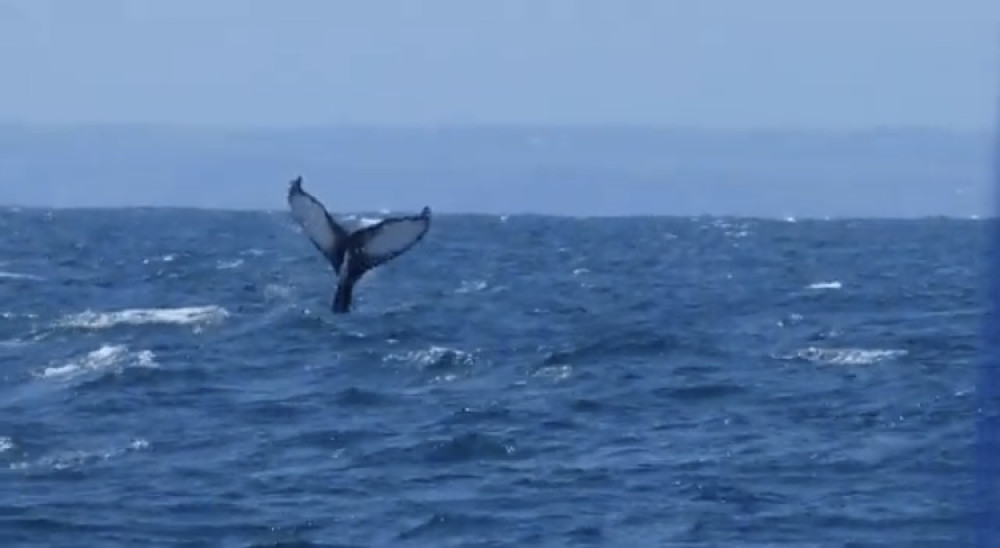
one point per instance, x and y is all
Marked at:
(194, 315)
(107, 357)
(825, 285)
(846, 356)
(79, 458)
(6, 275)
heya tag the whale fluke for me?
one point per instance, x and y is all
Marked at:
(351, 254)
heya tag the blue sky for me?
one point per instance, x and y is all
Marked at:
(710, 64)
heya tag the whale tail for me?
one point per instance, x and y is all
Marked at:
(343, 295)
(389, 238)
(352, 254)
(326, 234)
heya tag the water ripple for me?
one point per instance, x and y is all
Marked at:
(530, 381)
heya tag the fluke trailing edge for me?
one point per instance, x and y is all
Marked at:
(353, 253)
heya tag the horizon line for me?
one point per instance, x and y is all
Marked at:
(524, 213)
(471, 126)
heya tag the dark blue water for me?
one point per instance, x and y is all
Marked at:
(174, 378)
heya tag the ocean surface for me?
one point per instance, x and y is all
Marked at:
(175, 378)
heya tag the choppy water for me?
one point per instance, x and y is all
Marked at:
(175, 378)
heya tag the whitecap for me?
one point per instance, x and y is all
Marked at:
(446, 365)
(63, 460)
(5, 275)
(555, 372)
(14, 315)
(277, 291)
(790, 319)
(227, 265)
(193, 315)
(470, 286)
(848, 356)
(112, 356)
(168, 258)
(435, 356)
(732, 229)
(826, 285)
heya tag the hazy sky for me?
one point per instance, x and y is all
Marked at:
(705, 63)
